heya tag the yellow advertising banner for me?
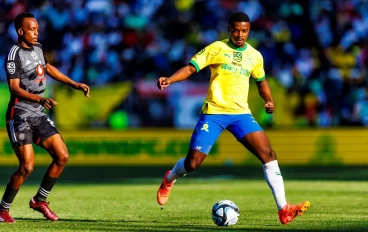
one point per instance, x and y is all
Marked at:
(75, 111)
(164, 147)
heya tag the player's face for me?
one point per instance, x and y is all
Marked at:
(29, 30)
(239, 32)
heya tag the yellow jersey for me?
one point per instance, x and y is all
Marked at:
(231, 68)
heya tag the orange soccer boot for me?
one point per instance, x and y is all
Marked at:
(289, 212)
(163, 192)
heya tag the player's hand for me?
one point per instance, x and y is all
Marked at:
(270, 107)
(48, 103)
(163, 82)
(85, 88)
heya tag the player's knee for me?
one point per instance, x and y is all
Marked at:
(190, 165)
(62, 158)
(270, 155)
(26, 169)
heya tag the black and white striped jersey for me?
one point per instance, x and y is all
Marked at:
(28, 65)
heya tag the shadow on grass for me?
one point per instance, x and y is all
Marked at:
(73, 220)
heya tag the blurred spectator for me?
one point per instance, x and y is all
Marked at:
(317, 50)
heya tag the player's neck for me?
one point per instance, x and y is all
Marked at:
(24, 44)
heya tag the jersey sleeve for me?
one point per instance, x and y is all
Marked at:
(13, 67)
(205, 56)
(258, 72)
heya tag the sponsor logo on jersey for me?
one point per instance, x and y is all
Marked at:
(40, 70)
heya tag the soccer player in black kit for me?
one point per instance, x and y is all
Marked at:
(26, 120)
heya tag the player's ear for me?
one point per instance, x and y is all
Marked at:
(20, 31)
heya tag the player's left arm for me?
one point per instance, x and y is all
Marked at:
(264, 89)
(59, 76)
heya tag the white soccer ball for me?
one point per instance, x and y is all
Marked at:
(225, 213)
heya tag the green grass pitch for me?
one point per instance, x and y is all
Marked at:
(335, 206)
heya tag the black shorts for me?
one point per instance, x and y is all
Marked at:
(22, 131)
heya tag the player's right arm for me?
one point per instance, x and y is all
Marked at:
(13, 73)
(17, 91)
(179, 75)
(199, 61)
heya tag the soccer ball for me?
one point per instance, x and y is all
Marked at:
(225, 213)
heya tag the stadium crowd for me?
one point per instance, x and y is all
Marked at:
(317, 50)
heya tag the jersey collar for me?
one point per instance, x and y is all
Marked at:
(235, 48)
(26, 49)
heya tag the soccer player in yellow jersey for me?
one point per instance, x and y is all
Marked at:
(232, 63)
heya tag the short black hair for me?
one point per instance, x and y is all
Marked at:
(238, 17)
(19, 19)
